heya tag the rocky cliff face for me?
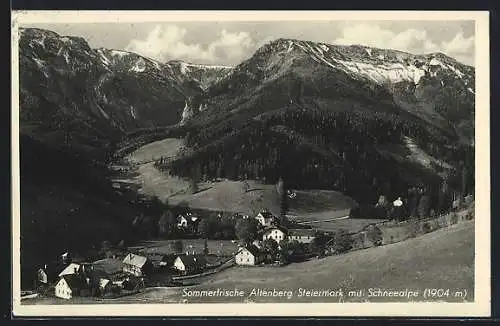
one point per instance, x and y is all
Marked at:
(433, 87)
(78, 96)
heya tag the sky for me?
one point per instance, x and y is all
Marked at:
(228, 43)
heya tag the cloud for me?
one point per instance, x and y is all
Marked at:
(167, 42)
(375, 36)
(410, 40)
(459, 44)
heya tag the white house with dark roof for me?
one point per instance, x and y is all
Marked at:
(265, 218)
(136, 264)
(190, 263)
(249, 255)
(274, 232)
(41, 275)
(68, 286)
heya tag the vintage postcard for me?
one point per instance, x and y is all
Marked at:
(227, 163)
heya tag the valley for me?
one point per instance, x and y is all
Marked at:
(441, 259)
(123, 154)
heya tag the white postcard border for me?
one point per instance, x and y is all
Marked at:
(482, 304)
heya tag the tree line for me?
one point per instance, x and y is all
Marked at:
(345, 151)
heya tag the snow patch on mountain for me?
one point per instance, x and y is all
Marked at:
(184, 68)
(39, 63)
(103, 57)
(456, 71)
(140, 66)
(436, 62)
(119, 53)
(40, 41)
(417, 154)
(392, 73)
(132, 112)
(186, 113)
(66, 57)
(369, 51)
(104, 114)
(65, 39)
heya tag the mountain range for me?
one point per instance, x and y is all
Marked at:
(357, 119)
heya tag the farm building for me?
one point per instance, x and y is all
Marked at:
(70, 269)
(136, 265)
(104, 285)
(189, 264)
(182, 221)
(250, 255)
(162, 261)
(257, 243)
(301, 235)
(68, 286)
(41, 275)
(265, 218)
(276, 233)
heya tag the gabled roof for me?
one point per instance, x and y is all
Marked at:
(192, 260)
(103, 282)
(266, 215)
(301, 232)
(274, 227)
(73, 281)
(70, 269)
(135, 260)
(254, 250)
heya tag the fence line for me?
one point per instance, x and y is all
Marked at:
(397, 231)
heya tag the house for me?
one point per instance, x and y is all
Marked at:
(65, 257)
(250, 255)
(70, 270)
(69, 285)
(41, 275)
(162, 261)
(182, 221)
(104, 285)
(265, 218)
(257, 243)
(167, 261)
(276, 233)
(189, 264)
(301, 235)
(136, 265)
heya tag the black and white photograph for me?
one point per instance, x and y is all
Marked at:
(311, 161)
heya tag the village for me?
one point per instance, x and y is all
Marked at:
(262, 241)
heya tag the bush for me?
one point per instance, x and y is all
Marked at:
(342, 242)
(469, 216)
(115, 289)
(375, 235)
(426, 228)
(454, 218)
(413, 229)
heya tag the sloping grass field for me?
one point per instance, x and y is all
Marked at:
(229, 196)
(443, 259)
